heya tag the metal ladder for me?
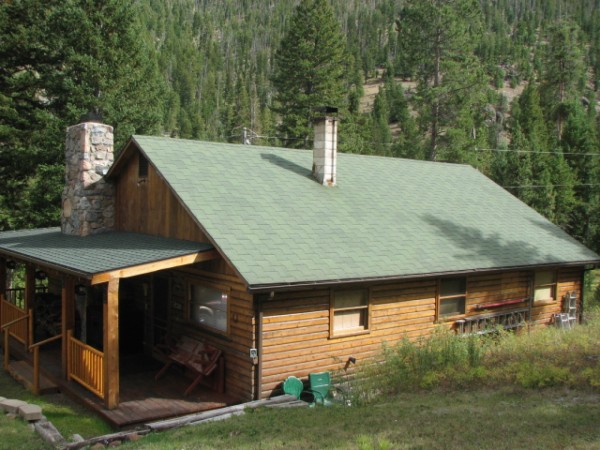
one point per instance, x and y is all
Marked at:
(568, 318)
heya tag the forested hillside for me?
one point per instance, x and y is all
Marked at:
(508, 86)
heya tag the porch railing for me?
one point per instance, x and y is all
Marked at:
(85, 365)
(16, 296)
(488, 323)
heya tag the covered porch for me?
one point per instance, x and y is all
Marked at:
(95, 348)
(142, 399)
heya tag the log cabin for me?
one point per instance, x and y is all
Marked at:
(288, 261)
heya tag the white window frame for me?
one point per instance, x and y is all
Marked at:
(363, 309)
(441, 298)
(540, 285)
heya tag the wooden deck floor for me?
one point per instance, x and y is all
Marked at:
(141, 398)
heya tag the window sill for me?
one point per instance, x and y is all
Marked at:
(452, 318)
(194, 327)
(343, 334)
(549, 301)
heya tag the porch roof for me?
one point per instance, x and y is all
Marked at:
(100, 256)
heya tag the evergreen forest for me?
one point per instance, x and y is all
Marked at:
(507, 86)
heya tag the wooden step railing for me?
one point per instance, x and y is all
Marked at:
(7, 333)
(36, 360)
(85, 365)
(13, 320)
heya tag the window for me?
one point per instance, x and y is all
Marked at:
(544, 286)
(350, 311)
(142, 166)
(452, 296)
(208, 306)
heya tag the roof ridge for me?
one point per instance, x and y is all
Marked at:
(301, 150)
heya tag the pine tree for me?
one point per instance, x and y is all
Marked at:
(563, 72)
(581, 146)
(438, 39)
(60, 60)
(310, 70)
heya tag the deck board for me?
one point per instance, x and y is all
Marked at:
(142, 399)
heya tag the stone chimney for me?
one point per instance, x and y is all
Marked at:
(88, 199)
(325, 148)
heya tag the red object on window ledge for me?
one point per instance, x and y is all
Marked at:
(499, 304)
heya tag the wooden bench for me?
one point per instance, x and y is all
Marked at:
(204, 361)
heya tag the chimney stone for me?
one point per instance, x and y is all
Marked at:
(88, 199)
(325, 150)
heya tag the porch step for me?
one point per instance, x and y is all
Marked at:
(22, 371)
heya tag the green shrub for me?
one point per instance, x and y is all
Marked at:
(591, 375)
(536, 359)
(541, 375)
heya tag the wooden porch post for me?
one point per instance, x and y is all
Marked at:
(67, 317)
(2, 276)
(111, 345)
(2, 284)
(29, 299)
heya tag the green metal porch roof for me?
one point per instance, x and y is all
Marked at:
(94, 254)
(386, 218)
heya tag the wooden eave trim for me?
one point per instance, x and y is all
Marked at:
(317, 284)
(124, 155)
(155, 266)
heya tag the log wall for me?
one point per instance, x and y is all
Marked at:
(240, 373)
(567, 280)
(295, 329)
(295, 325)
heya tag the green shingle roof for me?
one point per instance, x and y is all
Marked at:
(94, 254)
(387, 217)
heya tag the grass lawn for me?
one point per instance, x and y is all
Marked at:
(481, 419)
(67, 416)
(16, 434)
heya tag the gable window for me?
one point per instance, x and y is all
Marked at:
(544, 286)
(208, 306)
(452, 296)
(142, 167)
(349, 311)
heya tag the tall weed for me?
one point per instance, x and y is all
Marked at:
(532, 359)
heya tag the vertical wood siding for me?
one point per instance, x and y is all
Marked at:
(149, 206)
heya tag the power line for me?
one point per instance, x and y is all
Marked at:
(506, 150)
(536, 186)
(479, 149)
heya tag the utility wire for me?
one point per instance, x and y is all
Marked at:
(254, 135)
(506, 150)
(535, 186)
